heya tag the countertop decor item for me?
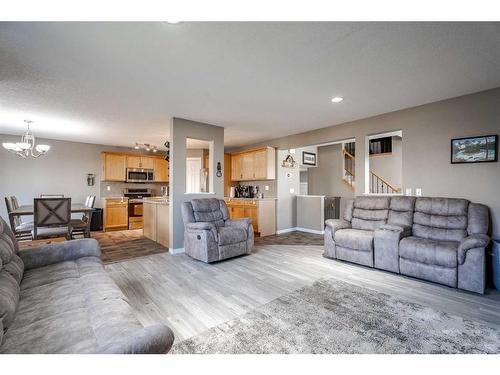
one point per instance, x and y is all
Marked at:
(27, 146)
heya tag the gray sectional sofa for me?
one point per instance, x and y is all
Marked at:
(209, 234)
(437, 239)
(59, 299)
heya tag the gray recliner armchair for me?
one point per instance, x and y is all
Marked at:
(210, 235)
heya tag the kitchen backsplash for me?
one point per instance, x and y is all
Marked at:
(116, 188)
(271, 193)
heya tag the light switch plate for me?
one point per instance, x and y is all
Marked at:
(108, 188)
(292, 190)
(418, 192)
(266, 187)
(408, 191)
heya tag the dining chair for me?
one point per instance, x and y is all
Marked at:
(82, 226)
(22, 230)
(51, 195)
(52, 217)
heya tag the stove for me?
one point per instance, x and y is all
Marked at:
(135, 204)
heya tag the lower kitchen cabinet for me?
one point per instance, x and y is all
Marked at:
(156, 223)
(115, 214)
(262, 213)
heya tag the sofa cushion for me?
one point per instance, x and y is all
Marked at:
(477, 219)
(431, 252)
(401, 211)
(209, 210)
(441, 219)
(82, 312)
(231, 235)
(355, 239)
(369, 213)
(9, 298)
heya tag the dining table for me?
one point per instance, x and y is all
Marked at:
(28, 209)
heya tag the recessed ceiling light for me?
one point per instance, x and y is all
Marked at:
(173, 22)
(337, 99)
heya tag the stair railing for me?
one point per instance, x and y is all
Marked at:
(380, 186)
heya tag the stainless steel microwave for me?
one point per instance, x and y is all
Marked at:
(140, 175)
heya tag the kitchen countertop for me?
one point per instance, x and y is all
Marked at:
(157, 200)
(252, 199)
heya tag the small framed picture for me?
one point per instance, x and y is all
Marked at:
(481, 149)
(309, 158)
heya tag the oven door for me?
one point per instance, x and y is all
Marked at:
(135, 209)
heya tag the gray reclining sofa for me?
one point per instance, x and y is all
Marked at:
(58, 298)
(209, 234)
(437, 239)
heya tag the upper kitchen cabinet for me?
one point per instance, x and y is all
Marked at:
(113, 166)
(143, 162)
(259, 164)
(160, 167)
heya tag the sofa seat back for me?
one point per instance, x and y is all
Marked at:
(370, 213)
(11, 273)
(211, 210)
(401, 211)
(440, 219)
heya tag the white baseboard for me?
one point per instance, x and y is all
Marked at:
(176, 251)
(314, 231)
(298, 229)
(288, 230)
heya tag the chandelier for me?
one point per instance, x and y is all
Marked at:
(27, 147)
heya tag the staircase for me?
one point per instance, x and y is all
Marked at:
(377, 184)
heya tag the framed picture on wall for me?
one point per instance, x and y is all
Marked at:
(309, 158)
(481, 149)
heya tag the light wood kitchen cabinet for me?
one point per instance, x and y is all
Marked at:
(262, 213)
(115, 214)
(156, 222)
(254, 165)
(144, 162)
(113, 166)
(160, 167)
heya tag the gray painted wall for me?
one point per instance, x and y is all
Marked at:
(180, 130)
(326, 178)
(427, 131)
(390, 167)
(62, 171)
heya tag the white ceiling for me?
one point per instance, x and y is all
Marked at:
(118, 83)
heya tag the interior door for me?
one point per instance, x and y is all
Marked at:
(193, 181)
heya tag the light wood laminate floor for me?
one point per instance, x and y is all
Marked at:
(190, 296)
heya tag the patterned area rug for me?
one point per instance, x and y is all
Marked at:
(336, 317)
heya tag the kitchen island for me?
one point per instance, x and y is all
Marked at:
(156, 220)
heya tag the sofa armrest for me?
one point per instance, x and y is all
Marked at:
(154, 339)
(242, 223)
(202, 225)
(336, 224)
(402, 231)
(471, 242)
(45, 255)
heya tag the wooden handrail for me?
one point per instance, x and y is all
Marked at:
(348, 154)
(397, 190)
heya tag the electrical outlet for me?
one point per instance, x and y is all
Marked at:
(292, 190)
(266, 187)
(108, 188)
(408, 191)
(418, 192)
